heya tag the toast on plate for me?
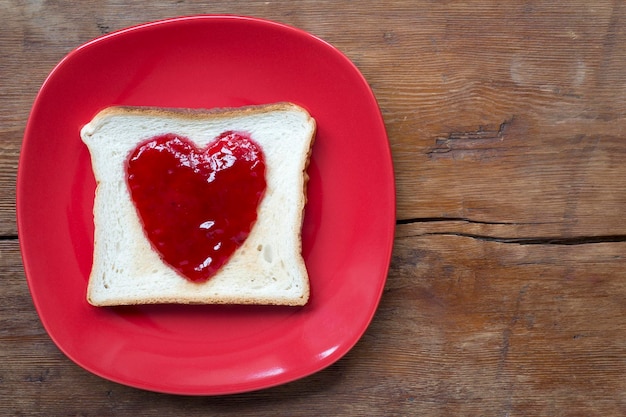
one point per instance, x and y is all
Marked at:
(266, 266)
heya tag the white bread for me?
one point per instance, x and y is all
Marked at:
(267, 269)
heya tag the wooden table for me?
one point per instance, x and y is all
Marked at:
(506, 294)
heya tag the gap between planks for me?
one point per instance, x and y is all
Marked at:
(527, 240)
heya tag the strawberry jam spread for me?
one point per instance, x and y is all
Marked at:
(197, 206)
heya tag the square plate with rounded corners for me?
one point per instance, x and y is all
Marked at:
(205, 62)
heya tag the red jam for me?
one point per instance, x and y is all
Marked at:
(197, 206)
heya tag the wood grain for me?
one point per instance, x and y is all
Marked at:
(507, 287)
(465, 327)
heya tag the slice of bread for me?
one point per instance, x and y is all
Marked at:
(267, 268)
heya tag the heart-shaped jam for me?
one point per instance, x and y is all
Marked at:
(197, 206)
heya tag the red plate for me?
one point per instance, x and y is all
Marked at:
(209, 61)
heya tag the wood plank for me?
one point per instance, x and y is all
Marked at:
(464, 327)
(488, 124)
(476, 107)
(511, 329)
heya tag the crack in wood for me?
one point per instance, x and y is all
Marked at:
(539, 240)
(529, 240)
(465, 220)
(471, 141)
(8, 237)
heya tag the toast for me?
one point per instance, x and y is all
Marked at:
(267, 268)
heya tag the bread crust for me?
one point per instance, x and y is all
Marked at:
(196, 114)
